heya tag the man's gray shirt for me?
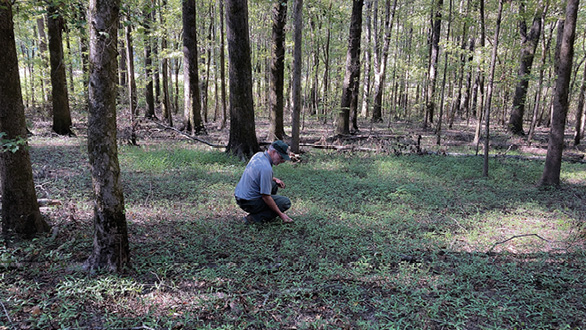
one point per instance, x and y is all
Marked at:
(256, 179)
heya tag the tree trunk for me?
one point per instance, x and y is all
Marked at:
(296, 76)
(479, 87)
(381, 62)
(122, 71)
(44, 61)
(192, 96)
(580, 111)
(132, 98)
(242, 141)
(489, 88)
(441, 112)
(110, 248)
(222, 66)
(326, 79)
(367, 60)
(148, 62)
(277, 75)
(433, 59)
(61, 113)
(352, 69)
(528, 45)
(165, 68)
(20, 210)
(553, 160)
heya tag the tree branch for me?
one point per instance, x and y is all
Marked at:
(516, 236)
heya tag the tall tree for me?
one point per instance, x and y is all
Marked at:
(277, 75)
(436, 24)
(352, 76)
(110, 247)
(564, 57)
(296, 79)
(380, 61)
(222, 66)
(61, 112)
(148, 13)
(166, 105)
(242, 141)
(580, 111)
(487, 106)
(367, 59)
(192, 99)
(43, 58)
(20, 210)
(443, 88)
(529, 43)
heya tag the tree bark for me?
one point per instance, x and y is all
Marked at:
(296, 79)
(20, 210)
(110, 247)
(242, 141)
(192, 96)
(277, 75)
(60, 97)
(528, 45)
(553, 160)
(352, 76)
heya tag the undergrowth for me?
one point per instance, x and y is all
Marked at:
(379, 242)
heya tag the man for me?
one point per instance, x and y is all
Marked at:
(256, 193)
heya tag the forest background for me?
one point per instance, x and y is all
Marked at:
(429, 73)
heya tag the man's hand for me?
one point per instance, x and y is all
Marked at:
(286, 218)
(279, 183)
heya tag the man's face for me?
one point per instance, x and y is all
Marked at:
(276, 158)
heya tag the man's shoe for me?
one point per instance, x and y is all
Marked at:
(248, 220)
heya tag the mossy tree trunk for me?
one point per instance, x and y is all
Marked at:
(110, 247)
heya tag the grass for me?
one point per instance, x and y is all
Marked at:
(379, 242)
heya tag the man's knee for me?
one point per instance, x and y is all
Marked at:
(283, 203)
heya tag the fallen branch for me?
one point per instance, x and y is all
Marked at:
(339, 148)
(188, 136)
(516, 236)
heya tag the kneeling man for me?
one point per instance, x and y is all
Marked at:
(256, 192)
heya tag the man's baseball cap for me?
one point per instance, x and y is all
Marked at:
(281, 148)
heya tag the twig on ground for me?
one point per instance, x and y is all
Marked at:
(7, 315)
(458, 223)
(513, 237)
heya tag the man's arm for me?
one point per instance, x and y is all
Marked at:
(273, 206)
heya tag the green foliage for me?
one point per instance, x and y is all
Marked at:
(379, 242)
(11, 145)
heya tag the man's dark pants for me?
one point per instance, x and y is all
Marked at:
(260, 211)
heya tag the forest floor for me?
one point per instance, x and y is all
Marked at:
(390, 232)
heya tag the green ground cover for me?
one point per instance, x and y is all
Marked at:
(379, 242)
